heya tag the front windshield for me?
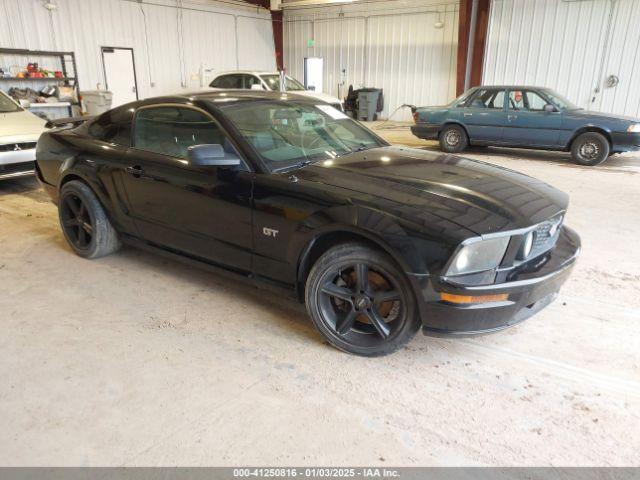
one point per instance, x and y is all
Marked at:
(560, 101)
(289, 134)
(7, 105)
(273, 82)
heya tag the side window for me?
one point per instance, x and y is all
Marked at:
(113, 127)
(172, 130)
(526, 100)
(227, 81)
(488, 98)
(250, 80)
(534, 101)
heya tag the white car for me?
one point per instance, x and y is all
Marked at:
(247, 80)
(19, 133)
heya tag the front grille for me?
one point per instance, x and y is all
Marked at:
(545, 238)
(10, 147)
(6, 170)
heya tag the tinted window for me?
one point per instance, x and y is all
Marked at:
(172, 130)
(227, 81)
(526, 100)
(488, 98)
(113, 127)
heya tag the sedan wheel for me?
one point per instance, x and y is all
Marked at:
(360, 302)
(590, 149)
(453, 139)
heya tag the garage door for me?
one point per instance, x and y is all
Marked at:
(586, 50)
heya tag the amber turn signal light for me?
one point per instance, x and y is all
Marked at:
(452, 298)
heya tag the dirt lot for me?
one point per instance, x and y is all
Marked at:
(136, 360)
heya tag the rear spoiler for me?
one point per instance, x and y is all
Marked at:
(69, 121)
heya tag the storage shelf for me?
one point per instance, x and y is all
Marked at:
(43, 79)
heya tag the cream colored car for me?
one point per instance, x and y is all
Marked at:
(19, 133)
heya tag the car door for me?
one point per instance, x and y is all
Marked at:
(528, 124)
(484, 116)
(204, 212)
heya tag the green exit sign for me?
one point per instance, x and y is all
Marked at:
(311, 43)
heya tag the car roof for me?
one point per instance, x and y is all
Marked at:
(229, 96)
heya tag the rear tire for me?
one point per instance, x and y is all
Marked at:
(84, 222)
(360, 301)
(453, 139)
(590, 149)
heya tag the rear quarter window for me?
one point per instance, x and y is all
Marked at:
(113, 127)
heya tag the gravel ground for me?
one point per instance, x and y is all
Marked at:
(136, 360)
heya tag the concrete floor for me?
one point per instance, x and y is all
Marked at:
(136, 360)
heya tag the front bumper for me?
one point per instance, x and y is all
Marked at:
(625, 142)
(17, 163)
(529, 292)
(426, 131)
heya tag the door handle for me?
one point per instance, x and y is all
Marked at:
(512, 117)
(135, 170)
(468, 114)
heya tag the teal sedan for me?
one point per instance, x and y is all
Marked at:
(526, 117)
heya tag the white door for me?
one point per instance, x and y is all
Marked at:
(313, 71)
(120, 74)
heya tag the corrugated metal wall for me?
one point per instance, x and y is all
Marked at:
(561, 44)
(152, 29)
(392, 45)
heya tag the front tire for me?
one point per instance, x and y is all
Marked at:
(360, 301)
(590, 149)
(84, 222)
(453, 139)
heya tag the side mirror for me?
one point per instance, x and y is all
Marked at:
(311, 88)
(256, 86)
(548, 108)
(211, 155)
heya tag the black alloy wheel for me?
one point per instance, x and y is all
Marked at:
(360, 301)
(76, 221)
(84, 221)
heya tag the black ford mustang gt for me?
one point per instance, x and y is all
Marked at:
(378, 241)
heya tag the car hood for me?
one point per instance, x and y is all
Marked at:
(480, 197)
(323, 97)
(20, 126)
(588, 114)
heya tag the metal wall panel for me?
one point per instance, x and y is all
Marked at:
(168, 50)
(394, 46)
(561, 44)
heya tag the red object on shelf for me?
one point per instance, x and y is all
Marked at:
(58, 74)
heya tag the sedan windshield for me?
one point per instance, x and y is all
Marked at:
(273, 82)
(8, 105)
(560, 101)
(288, 134)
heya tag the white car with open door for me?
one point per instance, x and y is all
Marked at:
(270, 81)
(19, 133)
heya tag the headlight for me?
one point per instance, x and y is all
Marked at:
(479, 256)
(635, 128)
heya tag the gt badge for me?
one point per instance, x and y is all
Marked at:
(270, 232)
